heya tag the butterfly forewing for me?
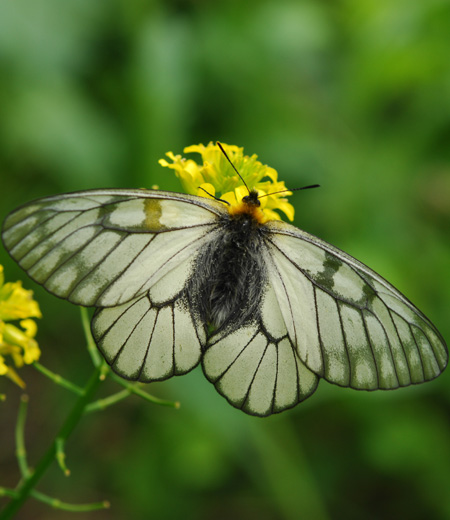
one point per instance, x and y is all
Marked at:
(350, 326)
(106, 247)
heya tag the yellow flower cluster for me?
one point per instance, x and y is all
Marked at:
(218, 178)
(17, 341)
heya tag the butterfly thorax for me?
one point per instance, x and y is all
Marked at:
(228, 280)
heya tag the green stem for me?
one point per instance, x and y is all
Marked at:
(71, 421)
(134, 389)
(6, 492)
(56, 503)
(61, 456)
(91, 346)
(75, 508)
(101, 404)
(59, 380)
(21, 452)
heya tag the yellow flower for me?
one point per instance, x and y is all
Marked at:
(17, 341)
(216, 177)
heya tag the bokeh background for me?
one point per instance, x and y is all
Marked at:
(353, 95)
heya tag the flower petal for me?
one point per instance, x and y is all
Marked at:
(216, 171)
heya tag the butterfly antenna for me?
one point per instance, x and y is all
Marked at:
(234, 167)
(293, 189)
(214, 197)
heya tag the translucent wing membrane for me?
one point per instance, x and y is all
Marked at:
(349, 325)
(106, 247)
(257, 373)
(147, 343)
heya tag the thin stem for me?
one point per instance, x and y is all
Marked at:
(56, 503)
(6, 492)
(91, 346)
(61, 456)
(69, 424)
(59, 380)
(101, 404)
(21, 451)
(134, 389)
(76, 508)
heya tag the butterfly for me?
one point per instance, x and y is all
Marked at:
(266, 308)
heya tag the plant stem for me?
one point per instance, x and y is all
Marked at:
(75, 508)
(101, 404)
(21, 452)
(61, 456)
(74, 416)
(91, 346)
(59, 380)
(134, 389)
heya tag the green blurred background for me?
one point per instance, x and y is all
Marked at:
(354, 95)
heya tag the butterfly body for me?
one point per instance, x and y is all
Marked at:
(228, 282)
(266, 308)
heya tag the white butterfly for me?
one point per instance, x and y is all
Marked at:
(266, 308)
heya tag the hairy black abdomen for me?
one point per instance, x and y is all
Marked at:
(228, 278)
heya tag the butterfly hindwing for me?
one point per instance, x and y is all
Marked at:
(349, 325)
(256, 367)
(105, 247)
(147, 343)
(256, 373)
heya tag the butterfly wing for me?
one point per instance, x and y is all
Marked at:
(257, 368)
(349, 325)
(256, 373)
(130, 253)
(148, 342)
(106, 247)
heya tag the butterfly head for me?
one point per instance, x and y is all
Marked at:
(250, 205)
(252, 199)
